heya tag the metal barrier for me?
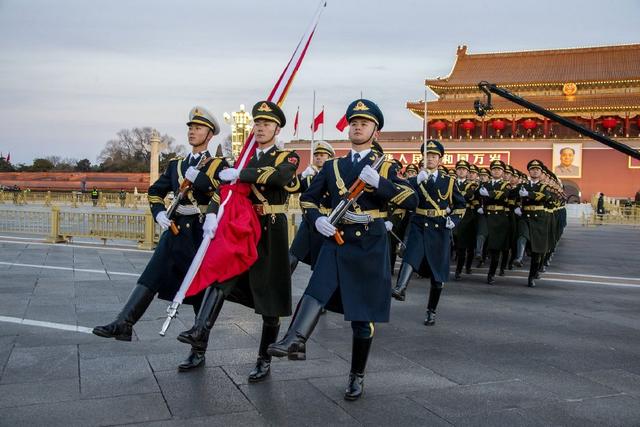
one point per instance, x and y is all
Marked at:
(617, 215)
(72, 198)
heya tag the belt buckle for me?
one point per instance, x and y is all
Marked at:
(259, 209)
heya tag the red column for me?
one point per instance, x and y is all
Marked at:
(626, 125)
(593, 123)
(513, 126)
(546, 127)
(483, 131)
(454, 128)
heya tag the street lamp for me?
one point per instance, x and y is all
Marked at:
(240, 122)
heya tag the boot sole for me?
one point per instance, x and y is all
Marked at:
(352, 398)
(189, 341)
(107, 335)
(398, 297)
(254, 380)
(283, 353)
(185, 368)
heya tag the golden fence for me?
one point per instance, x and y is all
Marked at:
(72, 198)
(618, 215)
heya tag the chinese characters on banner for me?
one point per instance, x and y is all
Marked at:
(479, 158)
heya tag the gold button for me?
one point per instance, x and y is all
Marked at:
(262, 188)
(265, 227)
(438, 200)
(436, 225)
(342, 233)
(358, 233)
(187, 225)
(426, 224)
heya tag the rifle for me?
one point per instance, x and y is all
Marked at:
(348, 200)
(185, 187)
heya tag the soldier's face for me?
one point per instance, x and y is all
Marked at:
(507, 176)
(198, 135)
(535, 173)
(410, 173)
(319, 159)
(473, 175)
(496, 173)
(462, 173)
(484, 178)
(362, 131)
(433, 160)
(265, 131)
(514, 180)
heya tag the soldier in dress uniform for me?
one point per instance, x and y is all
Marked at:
(496, 193)
(173, 255)
(440, 207)
(464, 234)
(481, 221)
(266, 286)
(533, 222)
(307, 242)
(411, 170)
(505, 255)
(353, 278)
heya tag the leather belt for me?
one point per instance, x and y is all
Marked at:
(495, 208)
(363, 217)
(262, 209)
(432, 213)
(191, 209)
(533, 208)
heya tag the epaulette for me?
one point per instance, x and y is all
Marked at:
(176, 158)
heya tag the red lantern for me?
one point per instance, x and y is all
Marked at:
(609, 123)
(529, 124)
(498, 124)
(438, 125)
(468, 125)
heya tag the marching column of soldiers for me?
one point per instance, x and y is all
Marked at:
(423, 215)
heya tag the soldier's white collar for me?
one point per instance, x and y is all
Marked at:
(362, 154)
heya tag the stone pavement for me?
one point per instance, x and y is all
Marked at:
(564, 353)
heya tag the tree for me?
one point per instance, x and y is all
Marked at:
(83, 165)
(41, 165)
(131, 150)
(5, 166)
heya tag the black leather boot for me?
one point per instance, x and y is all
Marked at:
(198, 335)
(430, 318)
(493, 266)
(122, 328)
(504, 258)
(459, 264)
(404, 275)
(520, 246)
(479, 247)
(359, 355)
(469, 261)
(434, 298)
(533, 270)
(293, 262)
(304, 321)
(194, 359)
(263, 364)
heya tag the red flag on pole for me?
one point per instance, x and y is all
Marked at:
(9, 157)
(318, 121)
(295, 123)
(342, 124)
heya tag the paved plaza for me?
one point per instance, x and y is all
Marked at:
(564, 353)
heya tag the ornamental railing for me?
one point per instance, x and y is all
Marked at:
(618, 215)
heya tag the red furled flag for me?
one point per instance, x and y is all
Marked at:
(343, 123)
(9, 157)
(295, 123)
(318, 121)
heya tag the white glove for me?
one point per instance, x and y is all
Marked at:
(518, 211)
(483, 192)
(450, 224)
(523, 192)
(163, 220)
(191, 174)
(480, 211)
(370, 176)
(229, 174)
(324, 227)
(388, 225)
(309, 171)
(210, 226)
(448, 210)
(422, 176)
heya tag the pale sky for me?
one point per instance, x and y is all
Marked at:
(73, 73)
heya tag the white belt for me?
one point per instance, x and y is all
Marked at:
(188, 210)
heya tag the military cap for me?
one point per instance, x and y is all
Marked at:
(451, 172)
(535, 164)
(411, 167)
(484, 171)
(508, 169)
(269, 111)
(496, 164)
(375, 146)
(443, 169)
(433, 146)
(324, 147)
(473, 168)
(462, 164)
(366, 109)
(200, 115)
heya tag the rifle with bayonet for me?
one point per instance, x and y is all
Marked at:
(348, 200)
(185, 187)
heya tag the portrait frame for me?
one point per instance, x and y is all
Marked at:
(576, 165)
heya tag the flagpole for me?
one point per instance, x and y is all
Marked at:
(313, 128)
(424, 132)
(295, 129)
(322, 131)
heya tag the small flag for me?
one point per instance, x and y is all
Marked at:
(295, 123)
(318, 121)
(342, 124)
(9, 157)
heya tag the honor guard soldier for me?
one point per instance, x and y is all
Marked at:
(440, 207)
(173, 255)
(307, 242)
(496, 193)
(464, 234)
(353, 278)
(481, 220)
(533, 222)
(266, 286)
(411, 171)
(511, 204)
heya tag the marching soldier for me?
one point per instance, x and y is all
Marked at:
(464, 234)
(533, 224)
(173, 255)
(353, 278)
(307, 242)
(482, 232)
(496, 193)
(511, 204)
(266, 286)
(411, 170)
(440, 207)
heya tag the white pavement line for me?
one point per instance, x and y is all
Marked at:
(52, 325)
(81, 270)
(554, 279)
(549, 275)
(99, 246)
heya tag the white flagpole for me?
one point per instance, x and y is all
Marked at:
(313, 128)
(322, 131)
(424, 132)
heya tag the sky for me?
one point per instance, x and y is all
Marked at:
(75, 72)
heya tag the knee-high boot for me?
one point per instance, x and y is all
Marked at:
(122, 328)
(404, 275)
(270, 328)
(304, 321)
(359, 354)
